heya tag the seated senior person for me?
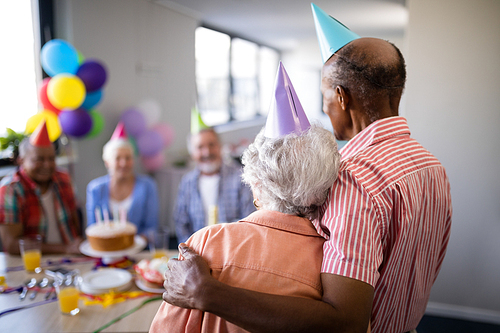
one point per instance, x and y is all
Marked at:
(121, 189)
(212, 183)
(275, 249)
(38, 199)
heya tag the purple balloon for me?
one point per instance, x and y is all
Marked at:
(149, 143)
(93, 74)
(134, 122)
(76, 123)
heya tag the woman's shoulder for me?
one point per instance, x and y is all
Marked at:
(98, 182)
(146, 179)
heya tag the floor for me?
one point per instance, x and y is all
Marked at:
(431, 324)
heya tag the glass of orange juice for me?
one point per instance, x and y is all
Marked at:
(31, 251)
(68, 292)
(158, 243)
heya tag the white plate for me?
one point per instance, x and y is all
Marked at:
(104, 280)
(139, 245)
(142, 286)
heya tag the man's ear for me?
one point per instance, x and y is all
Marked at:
(343, 97)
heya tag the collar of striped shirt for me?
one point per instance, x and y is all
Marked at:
(377, 131)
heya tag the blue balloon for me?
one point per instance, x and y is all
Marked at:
(58, 56)
(92, 99)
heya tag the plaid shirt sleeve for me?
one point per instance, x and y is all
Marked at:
(9, 208)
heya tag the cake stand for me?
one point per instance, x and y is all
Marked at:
(109, 257)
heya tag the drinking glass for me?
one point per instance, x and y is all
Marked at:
(158, 243)
(31, 252)
(67, 289)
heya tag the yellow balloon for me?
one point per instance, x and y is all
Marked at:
(66, 91)
(52, 121)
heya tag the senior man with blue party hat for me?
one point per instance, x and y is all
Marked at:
(386, 220)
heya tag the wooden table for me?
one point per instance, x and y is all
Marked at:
(47, 317)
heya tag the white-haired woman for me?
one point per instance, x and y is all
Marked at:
(123, 190)
(275, 249)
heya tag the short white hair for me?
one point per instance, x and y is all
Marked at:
(110, 148)
(292, 174)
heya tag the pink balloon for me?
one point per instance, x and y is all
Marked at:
(153, 163)
(166, 131)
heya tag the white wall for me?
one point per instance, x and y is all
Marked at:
(149, 53)
(453, 109)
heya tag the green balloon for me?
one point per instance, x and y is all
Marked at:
(97, 124)
(81, 57)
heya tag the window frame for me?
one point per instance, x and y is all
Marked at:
(231, 105)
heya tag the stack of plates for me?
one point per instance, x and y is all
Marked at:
(104, 280)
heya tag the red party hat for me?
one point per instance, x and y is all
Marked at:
(119, 132)
(40, 136)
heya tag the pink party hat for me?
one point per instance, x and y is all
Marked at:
(332, 35)
(40, 136)
(286, 114)
(119, 132)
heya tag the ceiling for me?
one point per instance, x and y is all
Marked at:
(283, 24)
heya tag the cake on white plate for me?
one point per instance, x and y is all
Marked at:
(111, 235)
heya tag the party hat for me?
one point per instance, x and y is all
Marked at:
(286, 114)
(197, 123)
(119, 132)
(332, 35)
(40, 136)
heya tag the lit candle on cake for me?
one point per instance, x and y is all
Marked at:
(123, 216)
(97, 213)
(106, 216)
(116, 217)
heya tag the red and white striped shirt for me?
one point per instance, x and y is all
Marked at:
(387, 222)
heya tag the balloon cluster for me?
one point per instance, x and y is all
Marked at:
(148, 136)
(70, 95)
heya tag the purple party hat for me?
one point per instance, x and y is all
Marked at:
(286, 114)
(332, 35)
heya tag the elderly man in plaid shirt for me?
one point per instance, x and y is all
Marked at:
(38, 199)
(211, 184)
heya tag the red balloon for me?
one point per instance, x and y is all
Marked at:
(42, 94)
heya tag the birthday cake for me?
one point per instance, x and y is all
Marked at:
(151, 272)
(111, 235)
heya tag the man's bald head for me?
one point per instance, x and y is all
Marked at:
(369, 69)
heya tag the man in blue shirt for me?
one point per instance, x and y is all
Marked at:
(212, 185)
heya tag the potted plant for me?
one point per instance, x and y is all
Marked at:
(9, 147)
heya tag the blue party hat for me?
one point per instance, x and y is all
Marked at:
(332, 35)
(286, 114)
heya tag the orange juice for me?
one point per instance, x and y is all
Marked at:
(160, 254)
(31, 259)
(68, 300)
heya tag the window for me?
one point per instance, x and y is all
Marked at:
(234, 77)
(20, 65)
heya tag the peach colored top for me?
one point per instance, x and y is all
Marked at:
(268, 251)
